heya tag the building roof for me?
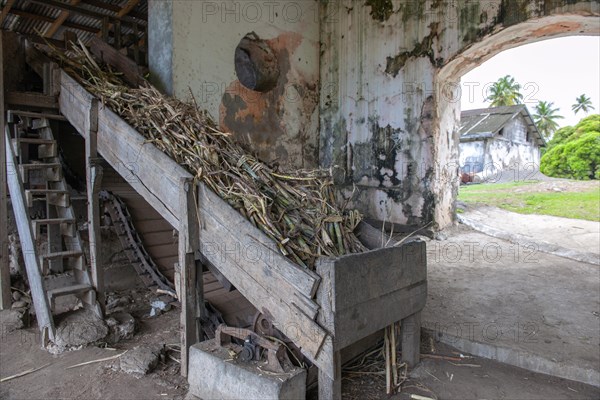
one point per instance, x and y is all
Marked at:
(51, 18)
(486, 122)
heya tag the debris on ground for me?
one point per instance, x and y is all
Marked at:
(11, 320)
(160, 305)
(142, 359)
(121, 326)
(78, 328)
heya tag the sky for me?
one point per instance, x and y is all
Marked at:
(555, 70)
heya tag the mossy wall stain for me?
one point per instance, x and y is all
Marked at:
(423, 49)
(381, 10)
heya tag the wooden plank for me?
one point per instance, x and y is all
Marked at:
(331, 389)
(44, 18)
(410, 330)
(31, 114)
(74, 102)
(237, 239)
(149, 171)
(132, 73)
(40, 302)
(62, 17)
(255, 250)
(84, 11)
(261, 286)
(31, 99)
(361, 320)
(6, 10)
(374, 274)
(114, 7)
(5, 293)
(93, 184)
(190, 295)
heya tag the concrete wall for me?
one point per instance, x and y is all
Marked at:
(370, 89)
(281, 125)
(390, 92)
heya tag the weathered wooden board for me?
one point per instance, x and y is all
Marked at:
(230, 235)
(132, 73)
(375, 274)
(363, 293)
(40, 301)
(223, 237)
(75, 103)
(148, 170)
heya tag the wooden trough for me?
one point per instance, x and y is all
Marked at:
(322, 312)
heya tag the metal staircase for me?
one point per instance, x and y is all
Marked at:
(52, 248)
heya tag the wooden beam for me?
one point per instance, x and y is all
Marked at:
(62, 17)
(191, 294)
(113, 7)
(40, 301)
(410, 330)
(84, 11)
(121, 13)
(5, 294)
(31, 99)
(6, 10)
(94, 179)
(132, 73)
(66, 24)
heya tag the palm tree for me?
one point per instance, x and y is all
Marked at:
(582, 103)
(505, 92)
(545, 118)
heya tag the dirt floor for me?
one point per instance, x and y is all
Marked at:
(20, 351)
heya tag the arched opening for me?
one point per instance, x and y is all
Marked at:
(567, 23)
(516, 300)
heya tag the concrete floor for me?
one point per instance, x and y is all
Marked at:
(497, 299)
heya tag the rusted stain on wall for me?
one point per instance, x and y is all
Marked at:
(556, 28)
(422, 49)
(276, 125)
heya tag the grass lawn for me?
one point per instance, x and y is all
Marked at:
(533, 198)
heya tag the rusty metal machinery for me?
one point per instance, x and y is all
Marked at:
(253, 347)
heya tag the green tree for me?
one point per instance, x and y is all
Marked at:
(582, 103)
(505, 92)
(545, 118)
(574, 152)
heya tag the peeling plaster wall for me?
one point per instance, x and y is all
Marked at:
(390, 92)
(281, 125)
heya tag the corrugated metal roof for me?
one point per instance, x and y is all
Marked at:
(486, 122)
(32, 18)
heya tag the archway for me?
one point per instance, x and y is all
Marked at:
(571, 20)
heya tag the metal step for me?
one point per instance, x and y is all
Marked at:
(67, 225)
(53, 171)
(46, 147)
(53, 196)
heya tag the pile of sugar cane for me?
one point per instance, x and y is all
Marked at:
(298, 211)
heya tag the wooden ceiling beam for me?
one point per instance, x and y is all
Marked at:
(130, 5)
(84, 11)
(66, 24)
(112, 7)
(59, 21)
(6, 9)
